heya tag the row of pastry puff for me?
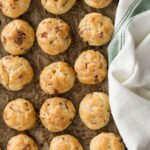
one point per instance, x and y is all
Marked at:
(58, 77)
(15, 8)
(53, 34)
(57, 114)
(103, 141)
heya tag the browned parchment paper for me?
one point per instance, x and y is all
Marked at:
(39, 59)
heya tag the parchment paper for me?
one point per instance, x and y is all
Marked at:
(38, 60)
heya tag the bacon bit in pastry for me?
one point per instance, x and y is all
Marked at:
(20, 37)
(56, 92)
(101, 35)
(65, 2)
(44, 35)
(1, 4)
(27, 147)
(20, 76)
(12, 6)
(96, 78)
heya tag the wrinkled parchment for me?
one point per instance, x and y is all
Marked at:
(39, 59)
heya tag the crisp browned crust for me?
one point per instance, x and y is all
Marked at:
(14, 8)
(98, 3)
(95, 110)
(56, 78)
(58, 6)
(107, 141)
(19, 114)
(65, 142)
(91, 67)
(21, 142)
(96, 29)
(17, 37)
(15, 72)
(57, 114)
(53, 36)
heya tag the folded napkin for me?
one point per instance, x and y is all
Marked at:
(129, 73)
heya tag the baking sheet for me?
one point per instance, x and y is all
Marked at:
(39, 60)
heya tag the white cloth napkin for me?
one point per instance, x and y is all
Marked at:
(129, 73)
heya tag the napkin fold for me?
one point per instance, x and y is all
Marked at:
(129, 73)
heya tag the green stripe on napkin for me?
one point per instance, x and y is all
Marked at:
(138, 6)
